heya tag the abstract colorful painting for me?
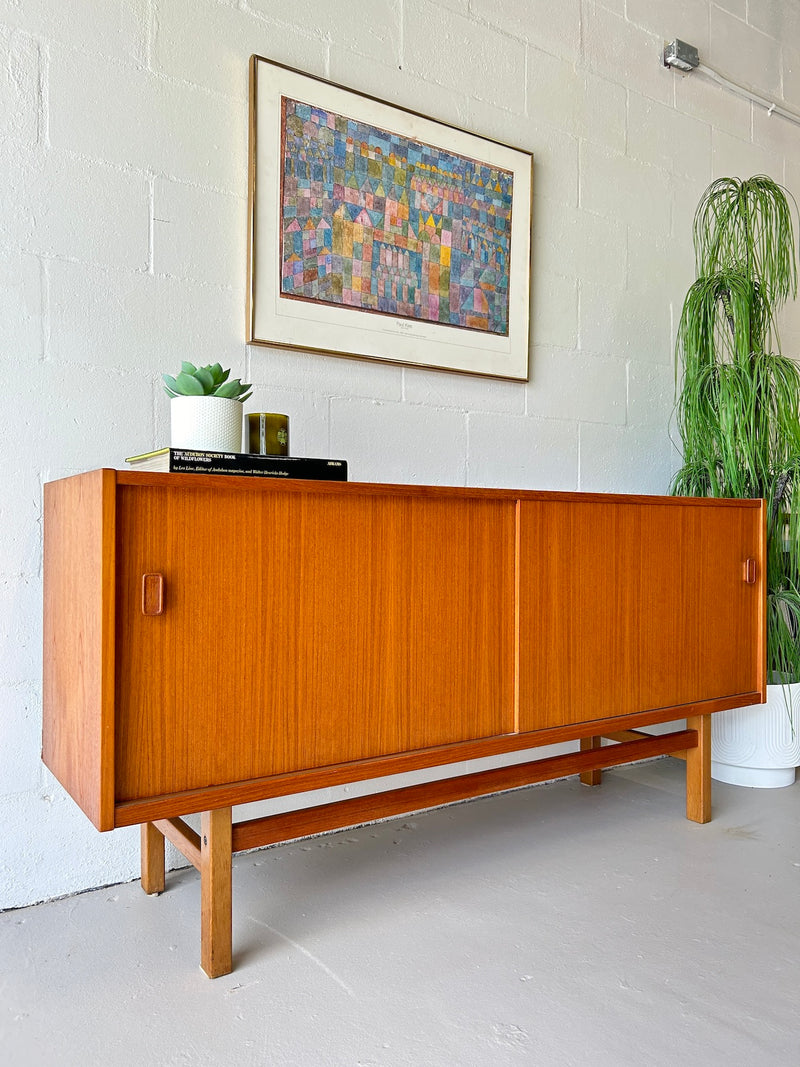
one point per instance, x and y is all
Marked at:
(379, 233)
(376, 221)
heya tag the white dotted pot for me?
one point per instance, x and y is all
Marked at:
(759, 745)
(208, 423)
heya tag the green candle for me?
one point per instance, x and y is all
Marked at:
(268, 433)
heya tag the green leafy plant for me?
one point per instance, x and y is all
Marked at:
(738, 408)
(205, 381)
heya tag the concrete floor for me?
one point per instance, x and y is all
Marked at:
(553, 926)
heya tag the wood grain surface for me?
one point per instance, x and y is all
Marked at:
(627, 607)
(303, 631)
(78, 640)
(216, 917)
(287, 826)
(314, 634)
(132, 812)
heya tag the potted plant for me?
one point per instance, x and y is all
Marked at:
(738, 412)
(205, 408)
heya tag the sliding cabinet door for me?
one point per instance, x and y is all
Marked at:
(304, 629)
(629, 606)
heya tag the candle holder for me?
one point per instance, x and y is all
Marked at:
(268, 433)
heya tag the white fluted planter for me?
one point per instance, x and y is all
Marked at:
(209, 423)
(757, 746)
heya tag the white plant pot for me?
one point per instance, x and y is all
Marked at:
(209, 423)
(756, 746)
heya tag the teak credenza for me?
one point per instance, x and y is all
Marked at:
(213, 640)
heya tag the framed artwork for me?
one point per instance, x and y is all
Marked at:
(379, 233)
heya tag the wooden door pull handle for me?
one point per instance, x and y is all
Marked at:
(750, 571)
(152, 594)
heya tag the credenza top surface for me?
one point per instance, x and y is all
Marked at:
(296, 485)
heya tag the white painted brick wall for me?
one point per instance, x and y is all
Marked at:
(165, 125)
(199, 234)
(128, 320)
(21, 727)
(618, 187)
(365, 26)
(554, 310)
(623, 459)
(779, 20)
(668, 19)
(439, 46)
(555, 161)
(399, 442)
(214, 61)
(116, 28)
(666, 139)
(550, 27)
(20, 518)
(523, 453)
(388, 78)
(704, 99)
(19, 86)
(735, 7)
(602, 112)
(325, 375)
(57, 204)
(626, 324)
(624, 52)
(123, 131)
(21, 304)
(578, 244)
(574, 386)
(746, 54)
(791, 75)
(740, 158)
(774, 133)
(466, 392)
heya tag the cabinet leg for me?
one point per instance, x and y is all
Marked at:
(215, 891)
(698, 770)
(591, 777)
(153, 871)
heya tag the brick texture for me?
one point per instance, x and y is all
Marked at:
(123, 163)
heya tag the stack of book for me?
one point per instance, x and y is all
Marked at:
(241, 463)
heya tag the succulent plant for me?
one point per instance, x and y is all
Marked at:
(205, 381)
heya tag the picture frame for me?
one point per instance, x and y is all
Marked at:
(379, 233)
